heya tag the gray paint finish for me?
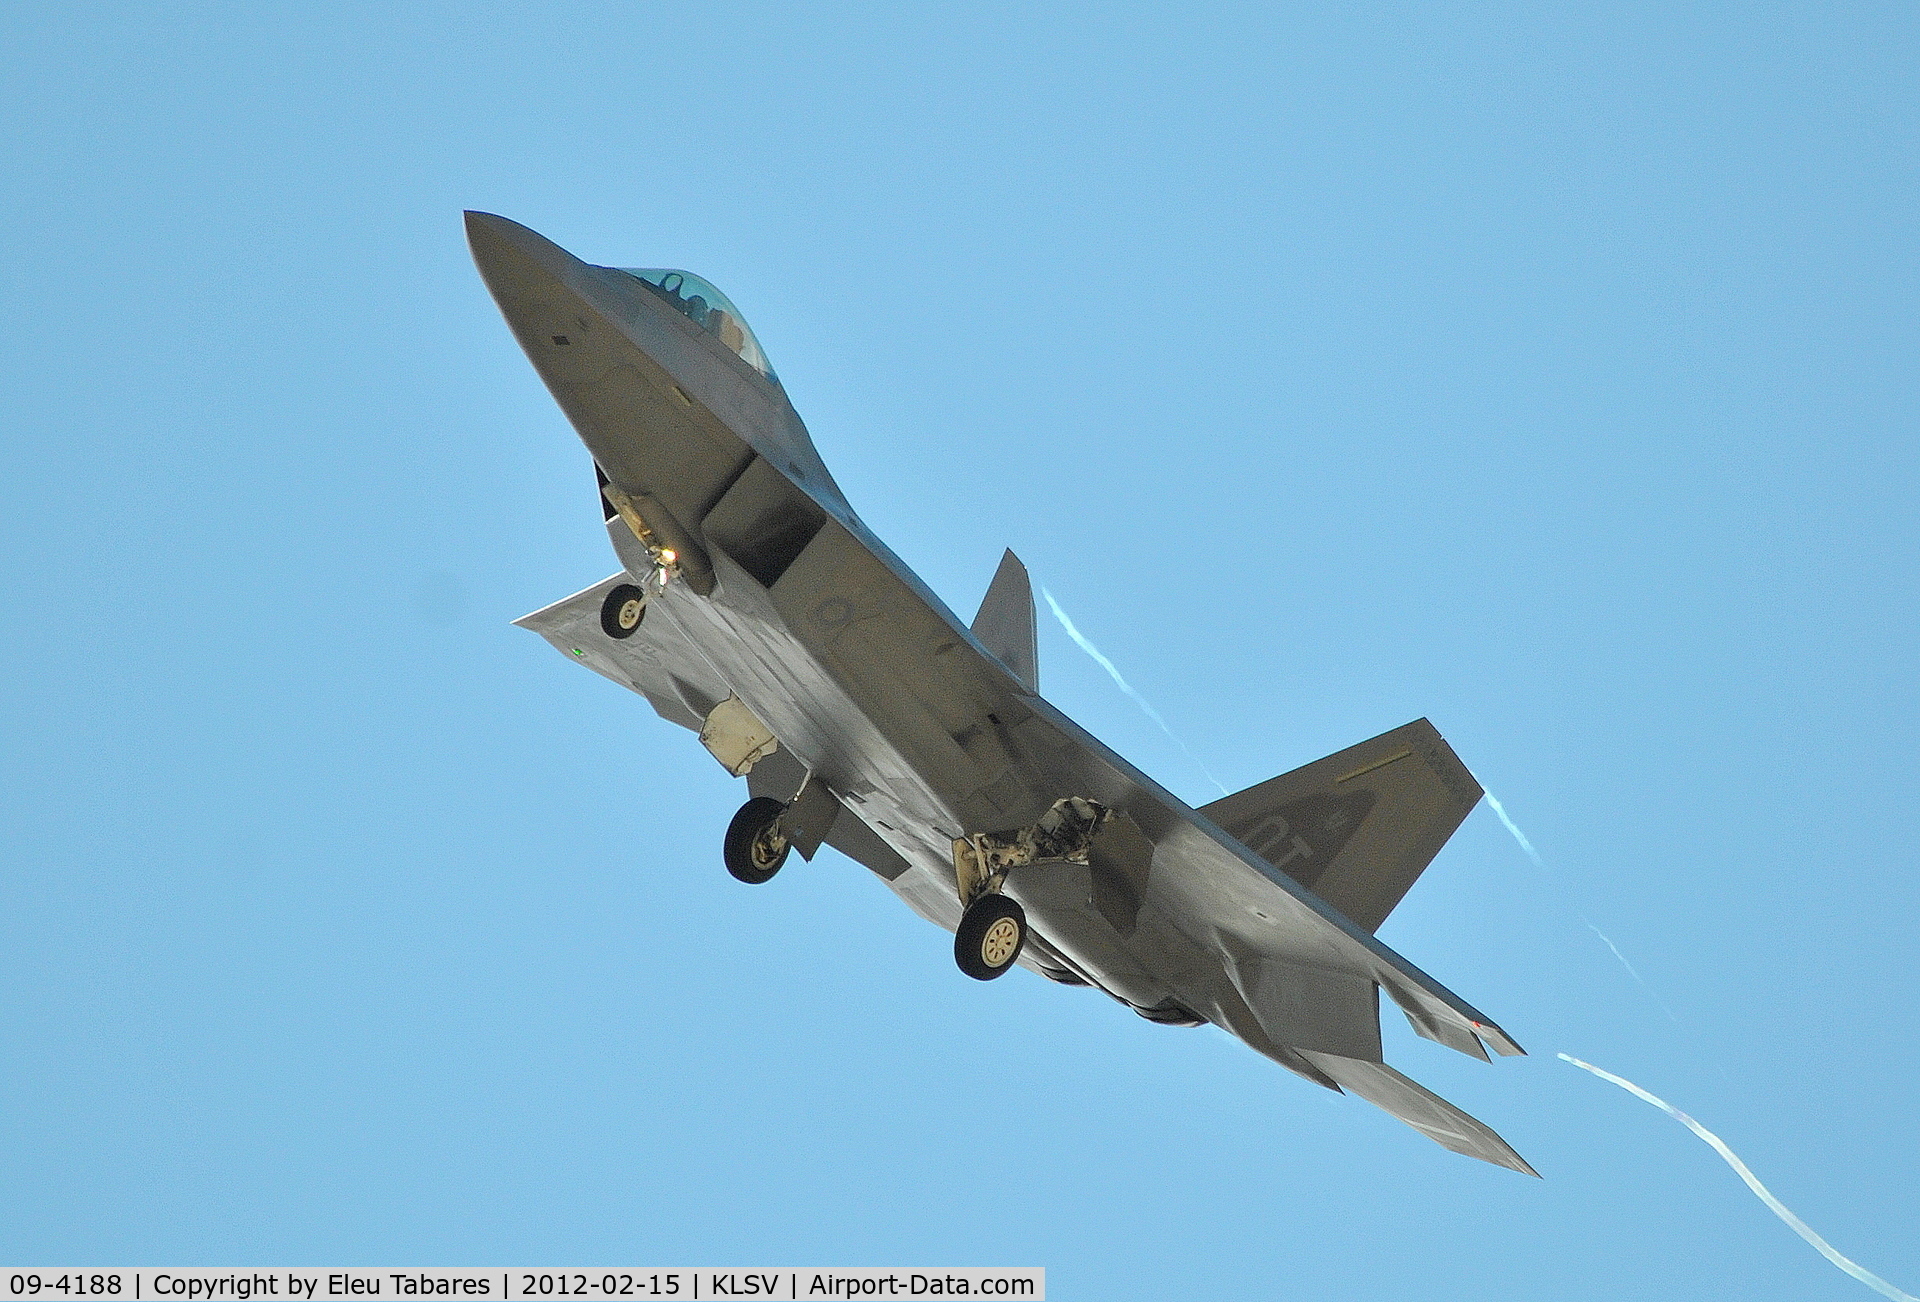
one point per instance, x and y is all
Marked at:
(911, 729)
(1005, 624)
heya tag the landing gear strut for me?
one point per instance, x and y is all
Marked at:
(756, 846)
(991, 935)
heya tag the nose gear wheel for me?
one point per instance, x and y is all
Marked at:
(622, 611)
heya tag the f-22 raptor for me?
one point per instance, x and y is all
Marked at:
(755, 608)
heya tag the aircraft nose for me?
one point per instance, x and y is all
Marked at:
(516, 262)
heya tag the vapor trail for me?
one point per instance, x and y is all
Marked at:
(1655, 994)
(1774, 1205)
(1113, 671)
(1533, 854)
(1608, 942)
(1518, 835)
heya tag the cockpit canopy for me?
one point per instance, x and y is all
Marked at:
(708, 308)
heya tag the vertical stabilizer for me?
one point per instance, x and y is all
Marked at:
(1357, 828)
(1005, 622)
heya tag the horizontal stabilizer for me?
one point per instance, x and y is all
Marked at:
(1422, 1109)
(1005, 624)
(1358, 827)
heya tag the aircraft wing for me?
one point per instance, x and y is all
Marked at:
(659, 661)
(1294, 977)
(1217, 884)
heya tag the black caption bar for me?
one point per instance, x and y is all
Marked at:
(521, 1283)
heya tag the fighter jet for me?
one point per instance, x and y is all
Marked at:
(754, 608)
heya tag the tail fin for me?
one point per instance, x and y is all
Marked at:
(1358, 827)
(1005, 622)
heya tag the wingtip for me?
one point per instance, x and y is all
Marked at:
(1498, 1040)
(1512, 1161)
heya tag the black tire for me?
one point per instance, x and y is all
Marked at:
(622, 611)
(983, 937)
(750, 857)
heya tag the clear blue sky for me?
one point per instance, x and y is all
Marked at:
(1548, 374)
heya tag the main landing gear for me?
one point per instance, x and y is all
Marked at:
(991, 934)
(756, 846)
(992, 931)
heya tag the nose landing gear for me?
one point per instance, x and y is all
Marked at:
(622, 611)
(756, 845)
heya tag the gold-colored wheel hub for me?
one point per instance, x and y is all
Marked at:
(999, 943)
(768, 847)
(630, 612)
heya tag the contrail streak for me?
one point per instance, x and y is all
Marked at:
(1113, 671)
(1518, 835)
(1533, 854)
(1774, 1205)
(1608, 942)
(1632, 972)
